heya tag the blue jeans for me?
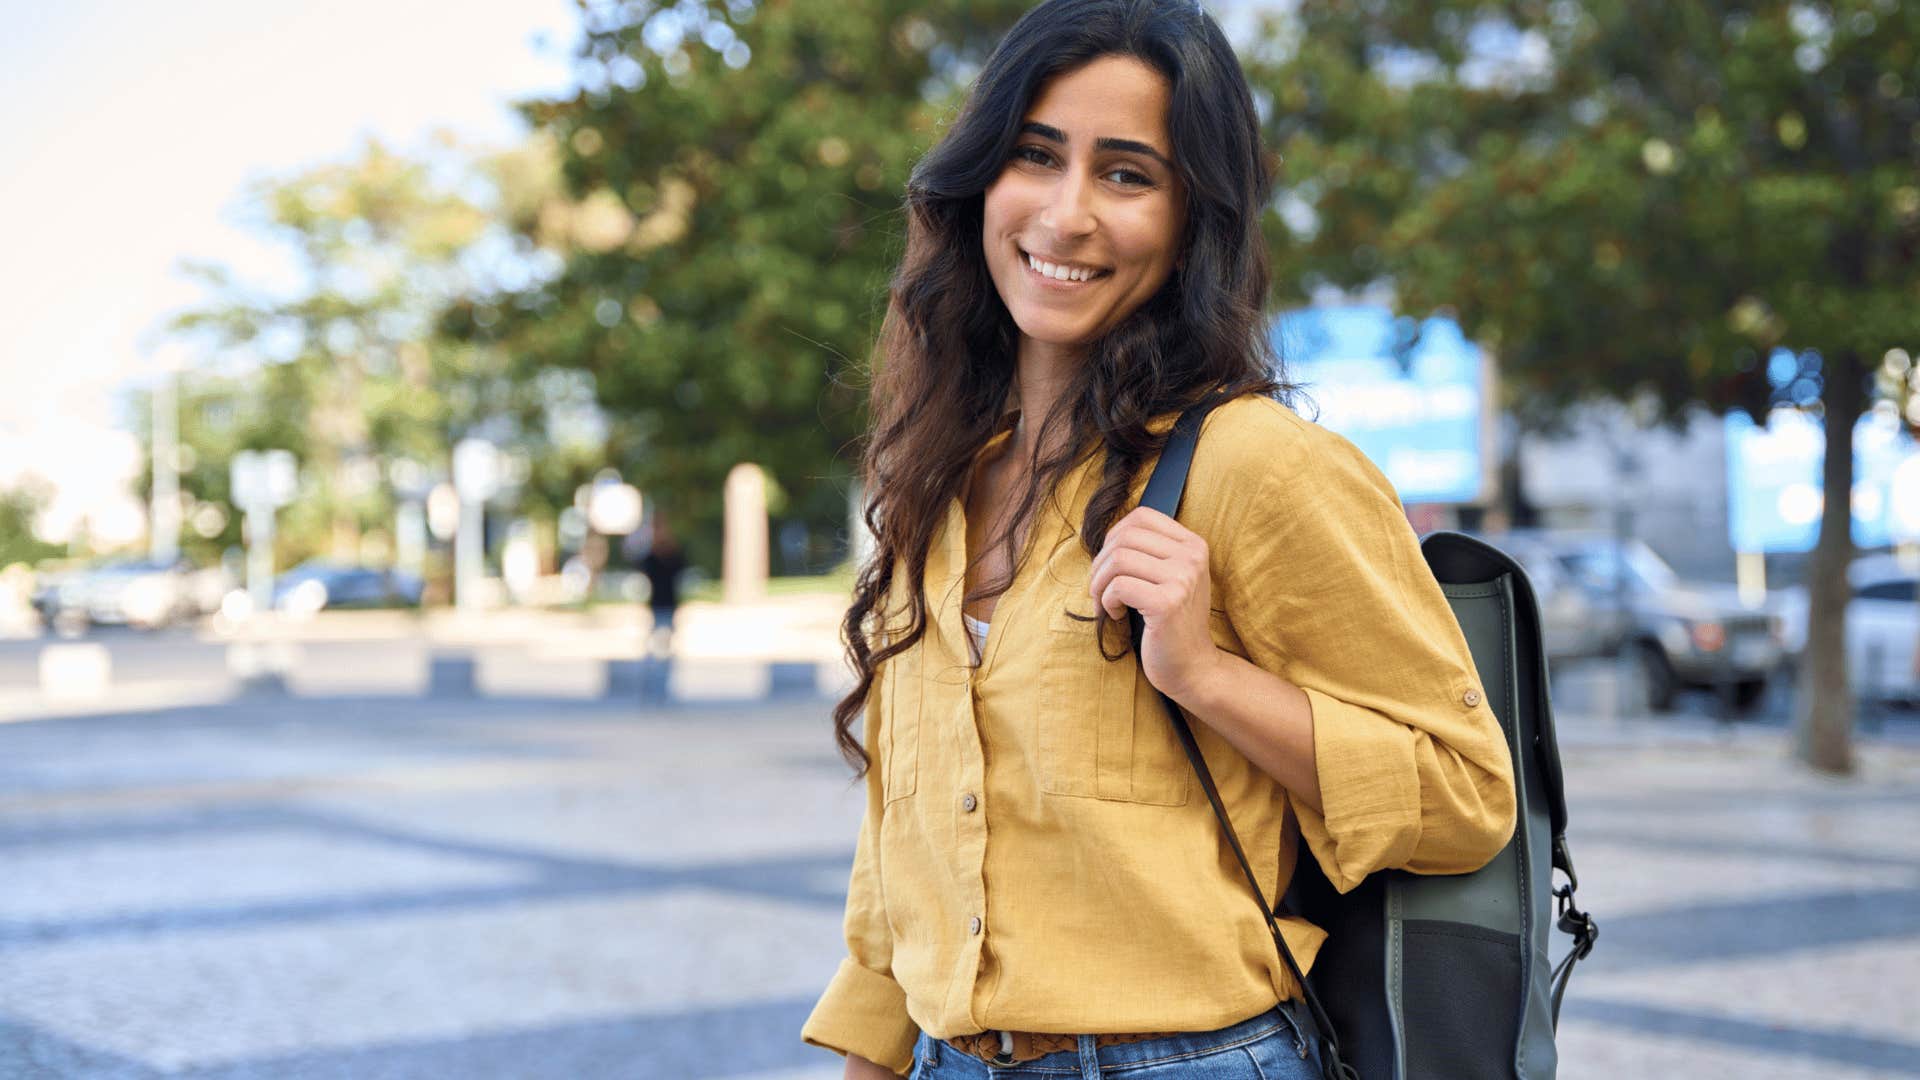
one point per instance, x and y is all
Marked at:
(1279, 1044)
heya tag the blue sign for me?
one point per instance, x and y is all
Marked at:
(1407, 392)
(1775, 493)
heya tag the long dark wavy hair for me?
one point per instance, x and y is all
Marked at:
(947, 346)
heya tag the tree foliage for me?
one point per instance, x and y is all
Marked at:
(20, 508)
(347, 367)
(1625, 199)
(733, 176)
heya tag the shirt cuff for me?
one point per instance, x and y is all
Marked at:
(864, 1012)
(1369, 792)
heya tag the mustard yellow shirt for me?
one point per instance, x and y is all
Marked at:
(1037, 853)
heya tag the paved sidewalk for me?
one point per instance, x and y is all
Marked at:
(401, 887)
(1756, 920)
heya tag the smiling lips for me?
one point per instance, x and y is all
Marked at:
(1062, 273)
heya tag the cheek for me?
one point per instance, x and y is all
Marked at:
(1000, 210)
(1152, 248)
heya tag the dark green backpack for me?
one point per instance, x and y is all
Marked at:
(1434, 976)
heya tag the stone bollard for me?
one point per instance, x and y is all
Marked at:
(743, 553)
(75, 672)
(643, 680)
(451, 673)
(790, 679)
(260, 667)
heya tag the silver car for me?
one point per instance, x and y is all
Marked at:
(1883, 628)
(1575, 624)
(1680, 634)
(132, 592)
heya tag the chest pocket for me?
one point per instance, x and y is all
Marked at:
(902, 728)
(1103, 732)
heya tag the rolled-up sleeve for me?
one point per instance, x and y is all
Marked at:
(863, 1010)
(1325, 585)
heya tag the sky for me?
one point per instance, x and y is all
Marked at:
(131, 131)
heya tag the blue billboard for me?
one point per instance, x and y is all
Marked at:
(1775, 493)
(1408, 392)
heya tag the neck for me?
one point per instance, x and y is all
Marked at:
(1041, 376)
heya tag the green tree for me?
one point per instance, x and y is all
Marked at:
(20, 508)
(1626, 199)
(347, 369)
(732, 183)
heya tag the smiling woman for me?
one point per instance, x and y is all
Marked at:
(1035, 879)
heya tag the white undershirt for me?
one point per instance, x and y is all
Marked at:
(976, 635)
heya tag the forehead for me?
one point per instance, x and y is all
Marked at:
(1113, 97)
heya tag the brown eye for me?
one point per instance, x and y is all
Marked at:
(1033, 154)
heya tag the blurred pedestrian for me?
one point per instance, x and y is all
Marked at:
(1048, 893)
(662, 565)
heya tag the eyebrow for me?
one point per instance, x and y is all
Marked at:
(1047, 131)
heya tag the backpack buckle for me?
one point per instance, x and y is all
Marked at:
(1576, 922)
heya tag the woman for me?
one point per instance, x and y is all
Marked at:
(1039, 888)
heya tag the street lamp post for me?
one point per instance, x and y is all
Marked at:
(262, 481)
(410, 488)
(163, 540)
(476, 476)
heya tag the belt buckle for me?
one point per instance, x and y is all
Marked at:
(1005, 1056)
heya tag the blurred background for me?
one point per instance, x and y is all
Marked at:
(428, 487)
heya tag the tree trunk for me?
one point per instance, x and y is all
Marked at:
(1823, 736)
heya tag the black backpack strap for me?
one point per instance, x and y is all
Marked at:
(1163, 491)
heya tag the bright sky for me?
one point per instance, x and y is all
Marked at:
(132, 128)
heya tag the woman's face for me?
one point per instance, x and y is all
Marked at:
(1084, 222)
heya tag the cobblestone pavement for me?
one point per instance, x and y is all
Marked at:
(407, 887)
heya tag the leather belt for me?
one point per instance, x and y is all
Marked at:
(1013, 1047)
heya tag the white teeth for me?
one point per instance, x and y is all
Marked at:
(1059, 273)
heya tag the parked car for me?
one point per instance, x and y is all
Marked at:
(1575, 623)
(140, 593)
(1680, 634)
(1883, 629)
(318, 584)
(49, 579)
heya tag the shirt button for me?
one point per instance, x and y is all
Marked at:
(973, 924)
(969, 802)
(1471, 697)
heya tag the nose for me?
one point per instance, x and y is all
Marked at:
(1069, 213)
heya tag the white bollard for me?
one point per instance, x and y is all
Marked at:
(77, 671)
(262, 667)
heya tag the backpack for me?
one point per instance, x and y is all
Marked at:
(1442, 975)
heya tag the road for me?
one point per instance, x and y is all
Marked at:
(384, 654)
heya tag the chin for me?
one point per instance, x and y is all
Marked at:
(1053, 331)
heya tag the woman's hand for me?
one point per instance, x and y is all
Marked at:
(859, 1068)
(1158, 567)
